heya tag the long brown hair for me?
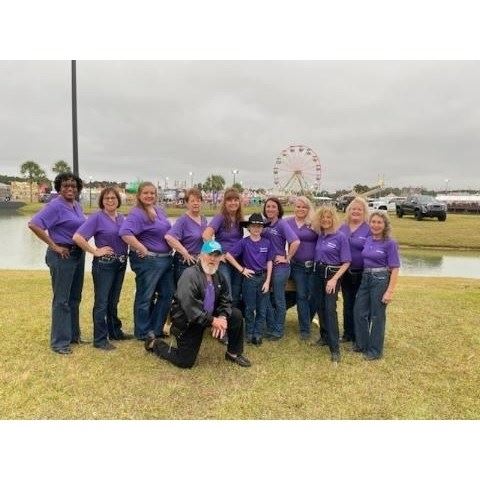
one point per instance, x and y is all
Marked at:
(151, 213)
(227, 221)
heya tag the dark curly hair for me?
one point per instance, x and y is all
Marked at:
(63, 177)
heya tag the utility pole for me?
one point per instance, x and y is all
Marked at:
(74, 119)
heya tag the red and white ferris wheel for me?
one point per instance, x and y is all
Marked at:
(297, 169)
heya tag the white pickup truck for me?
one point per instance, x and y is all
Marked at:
(385, 203)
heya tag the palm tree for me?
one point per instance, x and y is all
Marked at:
(61, 166)
(33, 172)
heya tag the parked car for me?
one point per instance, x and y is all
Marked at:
(385, 203)
(422, 206)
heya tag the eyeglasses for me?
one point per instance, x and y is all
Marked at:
(69, 185)
(110, 198)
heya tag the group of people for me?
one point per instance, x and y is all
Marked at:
(209, 275)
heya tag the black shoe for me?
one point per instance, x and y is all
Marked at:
(369, 357)
(239, 360)
(64, 351)
(357, 349)
(79, 341)
(335, 357)
(106, 346)
(273, 338)
(321, 342)
(121, 336)
(149, 341)
(346, 339)
(257, 341)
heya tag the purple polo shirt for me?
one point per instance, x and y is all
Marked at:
(333, 249)
(60, 219)
(189, 233)
(279, 234)
(380, 253)
(151, 234)
(226, 238)
(254, 255)
(209, 300)
(356, 239)
(308, 241)
(105, 231)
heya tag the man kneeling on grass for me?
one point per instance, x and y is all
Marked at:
(202, 300)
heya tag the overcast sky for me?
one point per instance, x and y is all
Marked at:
(414, 122)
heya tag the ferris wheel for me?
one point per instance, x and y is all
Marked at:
(297, 170)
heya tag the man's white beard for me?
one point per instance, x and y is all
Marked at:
(208, 269)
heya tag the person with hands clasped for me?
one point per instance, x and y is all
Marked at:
(202, 300)
(256, 255)
(381, 264)
(108, 267)
(332, 259)
(150, 255)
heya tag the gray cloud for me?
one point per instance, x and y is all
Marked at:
(413, 122)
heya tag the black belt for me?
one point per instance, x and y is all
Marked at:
(306, 264)
(260, 272)
(69, 246)
(120, 258)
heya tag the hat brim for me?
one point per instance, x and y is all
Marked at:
(246, 223)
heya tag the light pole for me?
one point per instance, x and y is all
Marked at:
(166, 182)
(235, 172)
(190, 174)
(446, 186)
(90, 191)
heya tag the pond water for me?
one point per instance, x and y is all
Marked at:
(22, 250)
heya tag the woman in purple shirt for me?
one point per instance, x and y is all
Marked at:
(108, 266)
(301, 263)
(185, 237)
(332, 259)
(226, 229)
(150, 255)
(280, 234)
(356, 229)
(55, 225)
(381, 264)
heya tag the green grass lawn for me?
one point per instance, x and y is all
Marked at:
(459, 231)
(430, 369)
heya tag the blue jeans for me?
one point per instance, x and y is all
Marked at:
(178, 267)
(67, 283)
(108, 274)
(153, 294)
(234, 280)
(255, 305)
(370, 313)
(303, 278)
(277, 306)
(327, 306)
(350, 283)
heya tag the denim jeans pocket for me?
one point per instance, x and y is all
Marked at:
(380, 275)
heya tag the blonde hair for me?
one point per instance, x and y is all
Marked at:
(151, 214)
(320, 212)
(308, 203)
(386, 220)
(361, 201)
